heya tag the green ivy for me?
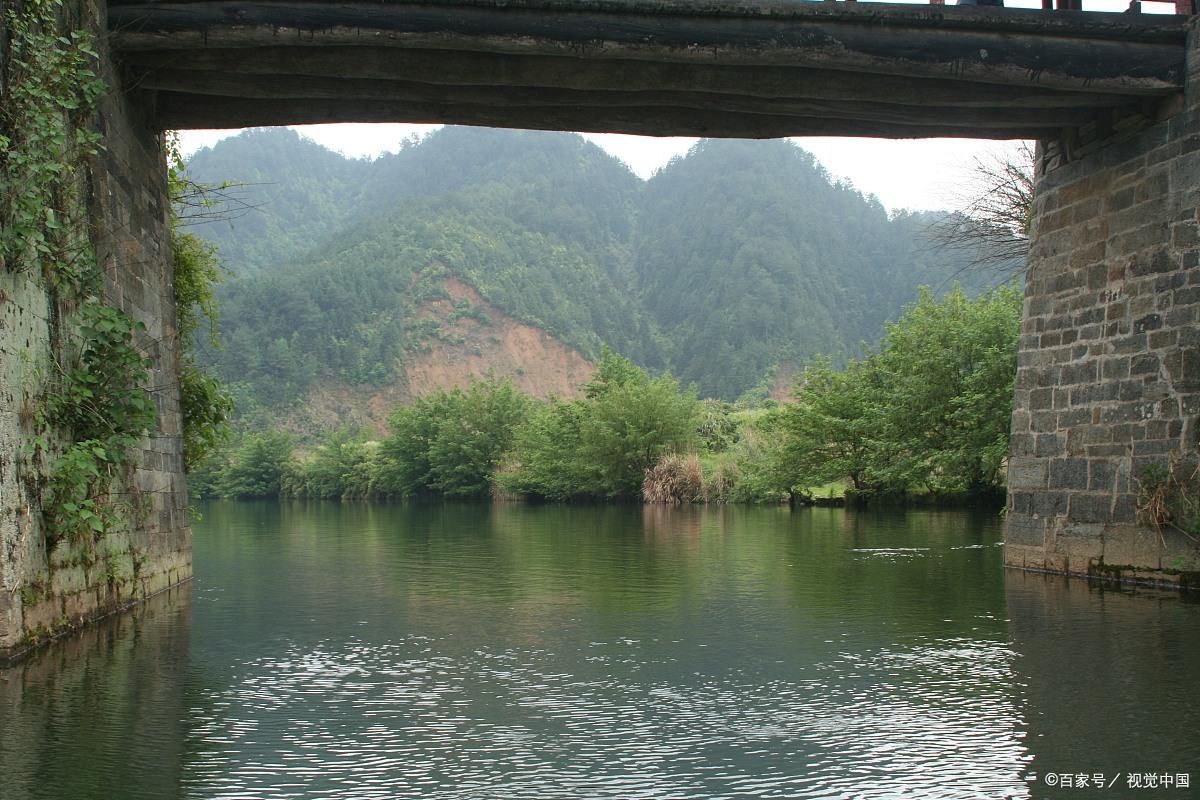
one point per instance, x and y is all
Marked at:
(99, 400)
(49, 89)
(205, 403)
(92, 394)
(100, 397)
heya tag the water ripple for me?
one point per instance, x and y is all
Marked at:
(362, 720)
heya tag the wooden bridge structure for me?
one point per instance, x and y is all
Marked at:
(730, 68)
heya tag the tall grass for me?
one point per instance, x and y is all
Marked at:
(675, 479)
(678, 479)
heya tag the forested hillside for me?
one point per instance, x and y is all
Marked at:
(290, 194)
(730, 262)
(748, 256)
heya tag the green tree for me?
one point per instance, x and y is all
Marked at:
(760, 470)
(948, 369)
(716, 426)
(337, 467)
(450, 442)
(629, 426)
(931, 409)
(544, 460)
(258, 466)
(602, 445)
(834, 424)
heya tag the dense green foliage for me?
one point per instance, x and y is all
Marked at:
(948, 368)
(600, 446)
(98, 398)
(731, 261)
(49, 90)
(258, 466)
(748, 257)
(339, 467)
(450, 442)
(834, 424)
(928, 413)
(205, 404)
(930, 410)
(459, 443)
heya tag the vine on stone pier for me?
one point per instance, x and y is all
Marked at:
(48, 89)
(205, 404)
(90, 407)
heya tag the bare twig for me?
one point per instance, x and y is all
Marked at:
(990, 231)
(199, 203)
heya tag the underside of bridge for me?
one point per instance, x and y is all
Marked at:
(755, 69)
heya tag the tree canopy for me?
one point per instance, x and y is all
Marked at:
(600, 446)
(930, 409)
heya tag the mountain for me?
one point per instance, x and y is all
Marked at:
(748, 256)
(290, 194)
(734, 261)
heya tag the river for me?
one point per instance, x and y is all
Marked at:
(354, 651)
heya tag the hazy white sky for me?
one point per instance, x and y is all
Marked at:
(912, 174)
(903, 174)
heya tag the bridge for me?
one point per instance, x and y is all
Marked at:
(1108, 382)
(731, 68)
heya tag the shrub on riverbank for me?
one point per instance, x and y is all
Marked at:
(675, 479)
(450, 443)
(930, 412)
(926, 416)
(601, 446)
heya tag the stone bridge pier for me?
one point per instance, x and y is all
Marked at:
(1107, 400)
(46, 588)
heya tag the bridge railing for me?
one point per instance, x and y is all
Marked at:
(1182, 7)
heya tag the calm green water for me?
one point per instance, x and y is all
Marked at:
(344, 651)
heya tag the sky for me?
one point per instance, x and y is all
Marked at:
(917, 174)
(920, 174)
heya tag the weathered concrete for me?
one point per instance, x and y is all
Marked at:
(1108, 383)
(44, 590)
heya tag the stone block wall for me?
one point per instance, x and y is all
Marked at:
(43, 590)
(1108, 379)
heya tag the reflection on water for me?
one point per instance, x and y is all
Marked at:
(101, 713)
(1110, 683)
(545, 652)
